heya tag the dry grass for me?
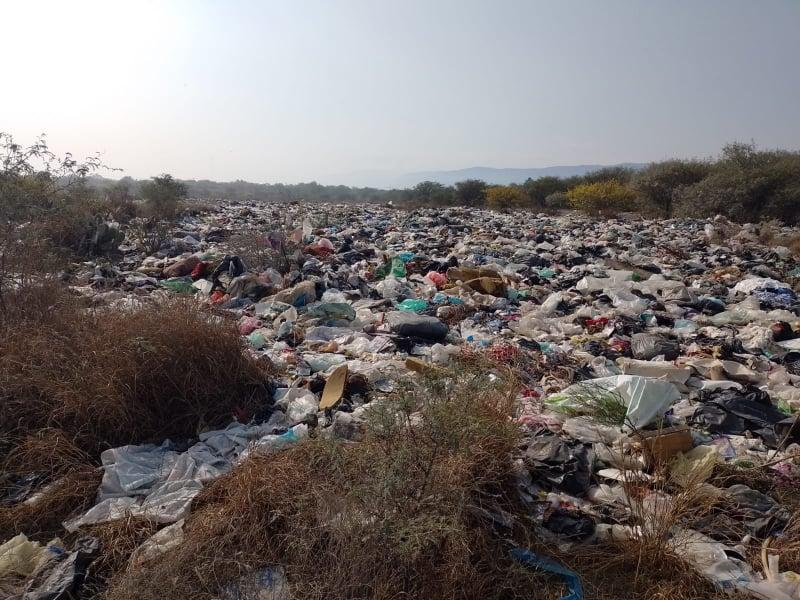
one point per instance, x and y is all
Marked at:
(116, 378)
(51, 450)
(118, 540)
(40, 517)
(74, 383)
(793, 243)
(769, 234)
(787, 546)
(787, 493)
(72, 488)
(404, 514)
(259, 254)
(393, 516)
(618, 570)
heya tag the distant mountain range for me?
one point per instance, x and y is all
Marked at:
(487, 174)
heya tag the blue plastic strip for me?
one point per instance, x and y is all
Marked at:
(529, 559)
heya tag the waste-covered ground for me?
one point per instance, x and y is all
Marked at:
(307, 401)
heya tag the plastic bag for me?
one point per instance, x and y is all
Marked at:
(162, 541)
(695, 466)
(528, 558)
(628, 303)
(179, 285)
(299, 404)
(398, 268)
(646, 399)
(275, 443)
(412, 305)
(20, 556)
(646, 346)
(333, 310)
(437, 279)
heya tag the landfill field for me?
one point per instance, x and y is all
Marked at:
(286, 401)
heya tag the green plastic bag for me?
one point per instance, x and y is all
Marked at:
(398, 267)
(333, 310)
(412, 305)
(257, 340)
(179, 285)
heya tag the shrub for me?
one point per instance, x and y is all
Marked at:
(471, 192)
(163, 195)
(657, 185)
(106, 379)
(539, 189)
(80, 227)
(258, 253)
(603, 406)
(606, 174)
(396, 515)
(746, 185)
(502, 197)
(32, 178)
(432, 193)
(556, 201)
(48, 213)
(120, 202)
(601, 198)
(25, 260)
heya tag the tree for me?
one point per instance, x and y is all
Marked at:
(539, 189)
(658, 184)
(746, 185)
(162, 195)
(556, 201)
(45, 209)
(618, 173)
(33, 178)
(602, 198)
(502, 197)
(432, 193)
(470, 192)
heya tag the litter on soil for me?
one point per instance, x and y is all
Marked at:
(648, 356)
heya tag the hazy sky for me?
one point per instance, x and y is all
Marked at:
(300, 90)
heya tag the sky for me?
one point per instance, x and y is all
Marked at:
(339, 91)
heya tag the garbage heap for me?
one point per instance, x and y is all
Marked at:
(658, 362)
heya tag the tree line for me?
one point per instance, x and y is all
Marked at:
(743, 184)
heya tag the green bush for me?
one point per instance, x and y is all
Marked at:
(746, 185)
(618, 173)
(539, 189)
(163, 195)
(432, 193)
(470, 192)
(556, 201)
(657, 185)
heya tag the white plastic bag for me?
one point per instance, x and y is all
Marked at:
(646, 399)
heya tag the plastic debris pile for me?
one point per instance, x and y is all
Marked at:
(650, 357)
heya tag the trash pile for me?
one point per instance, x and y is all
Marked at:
(659, 367)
